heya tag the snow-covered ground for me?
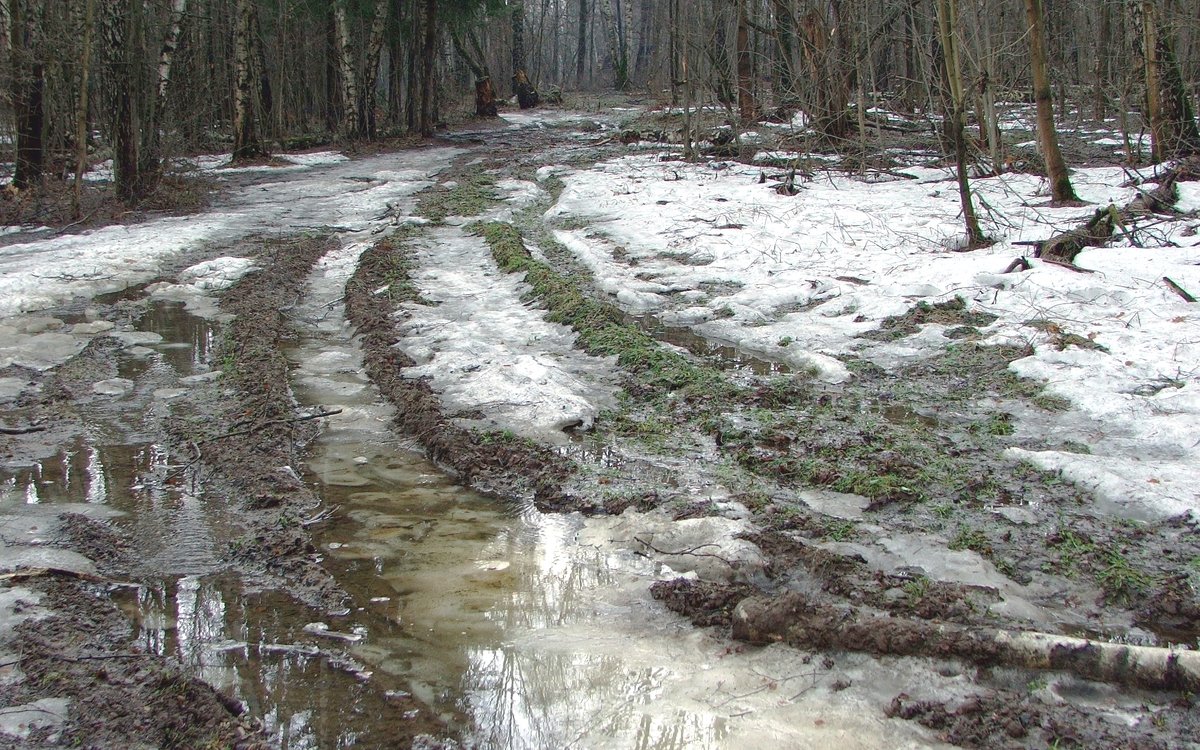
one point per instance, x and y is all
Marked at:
(798, 279)
(324, 191)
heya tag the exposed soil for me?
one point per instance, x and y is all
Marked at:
(501, 465)
(81, 650)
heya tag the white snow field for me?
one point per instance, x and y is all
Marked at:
(796, 279)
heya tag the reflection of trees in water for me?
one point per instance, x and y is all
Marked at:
(535, 699)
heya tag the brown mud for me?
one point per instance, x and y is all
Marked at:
(499, 465)
(252, 452)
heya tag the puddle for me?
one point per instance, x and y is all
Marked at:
(899, 414)
(720, 355)
(497, 616)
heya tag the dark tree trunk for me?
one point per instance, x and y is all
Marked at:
(745, 68)
(582, 48)
(331, 71)
(121, 102)
(428, 51)
(518, 42)
(1169, 103)
(29, 88)
(485, 98)
(785, 44)
(485, 92)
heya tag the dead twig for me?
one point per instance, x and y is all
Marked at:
(1187, 296)
(1066, 265)
(682, 553)
(271, 423)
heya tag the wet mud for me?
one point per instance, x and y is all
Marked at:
(240, 443)
(497, 464)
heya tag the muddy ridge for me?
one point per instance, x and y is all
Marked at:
(252, 450)
(493, 463)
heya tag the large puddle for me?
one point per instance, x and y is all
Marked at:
(523, 630)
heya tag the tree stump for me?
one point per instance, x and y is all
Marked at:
(485, 98)
(527, 95)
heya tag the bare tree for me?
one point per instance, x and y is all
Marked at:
(745, 68)
(246, 141)
(947, 17)
(1056, 168)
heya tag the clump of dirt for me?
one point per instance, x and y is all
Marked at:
(96, 541)
(119, 696)
(1006, 720)
(510, 467)
(1172, 610)
(949, 313)
(73, 381)
(852, 580)
(705, 603)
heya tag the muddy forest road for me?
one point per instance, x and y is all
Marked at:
(361, 457)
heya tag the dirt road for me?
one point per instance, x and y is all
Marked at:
(376, 460)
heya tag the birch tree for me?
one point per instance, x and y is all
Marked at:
(247, 143)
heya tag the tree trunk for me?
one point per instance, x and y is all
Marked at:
(829, 70)
(581, 47)
(614, 20)
(428, 49)
(152, 149)
(1056, 168)
(368, 126)
(745, 69)
(785, 44)
(517, 19)
(331, 72)
(347, 69)
(947, 17)
(120, 100)
(81, 108)
(527, 95)
(29, 87)
(246, 142)
(1101, 68)
(485, 92)
(1169, 106)
(805, 622)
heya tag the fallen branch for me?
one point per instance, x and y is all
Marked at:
(1098, 230)
(271, 423)
(802, 622)
(1021, 263)
(1067, 265)
(21, 430)
(1187, 296)
(682, 553)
